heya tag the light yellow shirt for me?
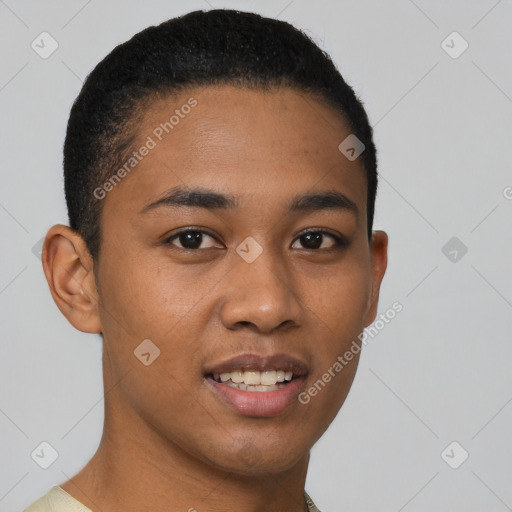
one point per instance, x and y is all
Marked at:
(58, 500)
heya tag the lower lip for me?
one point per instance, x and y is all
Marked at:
(258, 403)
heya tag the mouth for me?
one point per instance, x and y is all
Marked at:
(253, 385)
(253, 380)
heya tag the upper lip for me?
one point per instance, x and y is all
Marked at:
(255, 362)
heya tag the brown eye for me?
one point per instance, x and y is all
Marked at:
(192, 239)
(314, 240)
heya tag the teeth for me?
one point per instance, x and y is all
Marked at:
(269, 378)
(246, 387)
(257, 381)
(237, 377)
(252, 378)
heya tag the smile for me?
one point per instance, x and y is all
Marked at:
(265, 381)
(258, 386)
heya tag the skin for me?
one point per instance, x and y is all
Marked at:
(168, 441)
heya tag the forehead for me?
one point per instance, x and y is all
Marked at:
(228, 121)
(263, 145)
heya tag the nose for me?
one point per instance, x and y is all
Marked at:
(260, 295)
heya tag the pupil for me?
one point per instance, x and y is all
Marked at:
(190, 239)
(313, 240)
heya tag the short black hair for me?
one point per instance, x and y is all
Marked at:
(200, 48)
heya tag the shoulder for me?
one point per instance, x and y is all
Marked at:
(57, 500)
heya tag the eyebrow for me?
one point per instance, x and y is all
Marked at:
(199, 198)
(211, 200)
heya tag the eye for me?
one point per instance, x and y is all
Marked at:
(191, 239)
(316, 240)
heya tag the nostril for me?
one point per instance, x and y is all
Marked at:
(243, 323)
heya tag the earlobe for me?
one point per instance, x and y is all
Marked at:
(379, 262)
(68, 268)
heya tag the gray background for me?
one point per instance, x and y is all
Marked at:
(438, 372)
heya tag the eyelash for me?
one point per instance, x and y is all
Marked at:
(340, 242)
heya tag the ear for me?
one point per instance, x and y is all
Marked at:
(379, 263)
(68, 267)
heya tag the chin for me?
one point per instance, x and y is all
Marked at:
(251, 458)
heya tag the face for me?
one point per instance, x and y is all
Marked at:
(238, 245)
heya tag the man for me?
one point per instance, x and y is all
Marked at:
(220, 179)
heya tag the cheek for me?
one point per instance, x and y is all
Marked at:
(341, 299)
(337, 308)
(142, 295)
(141, 303)
(146, 298)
